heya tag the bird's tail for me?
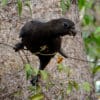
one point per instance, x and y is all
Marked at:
(18, 47)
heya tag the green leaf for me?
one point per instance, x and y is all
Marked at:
(97, 40)
(69, 88)
(37, 97)
(81, 3)
(60, 67)
(89, 4)
(44, 74)
(35, 71)
(35, 89)
(88, 19)
(96, 35)
(19, 3)
(4, 2)
(76, 86)
(31, 88)
(97, 30)
(86, 86)
(28, 71)
(27, 3)
(96, 69)
(65, 5)
(92, 44)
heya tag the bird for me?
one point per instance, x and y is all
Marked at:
(44, 39)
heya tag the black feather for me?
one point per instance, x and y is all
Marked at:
(44, 39)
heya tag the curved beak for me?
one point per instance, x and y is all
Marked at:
(72, 31)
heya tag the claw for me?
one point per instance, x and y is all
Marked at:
(34, 81)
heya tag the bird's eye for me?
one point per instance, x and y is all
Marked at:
(65, 25)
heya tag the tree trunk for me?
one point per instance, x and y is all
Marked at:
(81, 69)
(13, 84)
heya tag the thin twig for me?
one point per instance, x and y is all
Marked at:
(80, 59)
(49, 54)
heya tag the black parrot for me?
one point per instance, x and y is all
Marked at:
(44, 39)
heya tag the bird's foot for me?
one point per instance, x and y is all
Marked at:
(34, 81)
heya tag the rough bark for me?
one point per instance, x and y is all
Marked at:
(81, 69)
(12, 75)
